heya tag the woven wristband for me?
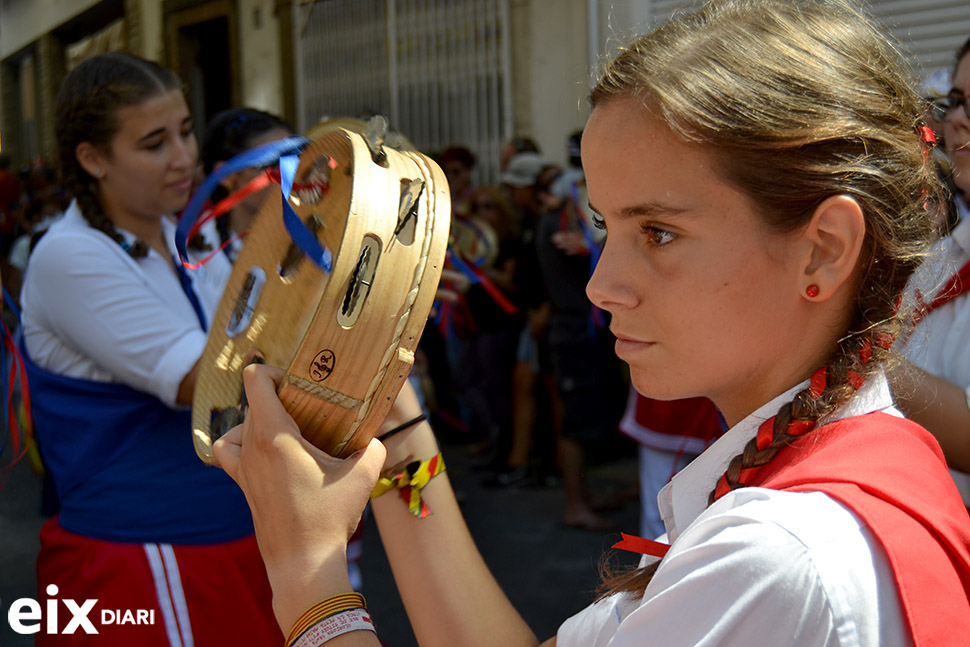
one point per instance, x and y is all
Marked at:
(410, 481)
(323, 610)
(336, 625)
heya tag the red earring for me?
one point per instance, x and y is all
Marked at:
(812, 291)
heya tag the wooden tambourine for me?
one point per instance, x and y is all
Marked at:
(348, 337)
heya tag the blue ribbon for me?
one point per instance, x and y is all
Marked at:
(463, 267)
(286, 153)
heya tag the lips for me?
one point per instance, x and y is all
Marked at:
(626, 346)
(181, 185)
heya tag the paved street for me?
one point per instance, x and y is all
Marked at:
(549, 571)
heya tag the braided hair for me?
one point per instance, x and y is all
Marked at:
(86, 111)
(800, 100)
(230, 133)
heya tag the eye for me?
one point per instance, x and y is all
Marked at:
(598, 221)
(154, 144)
(657, 237)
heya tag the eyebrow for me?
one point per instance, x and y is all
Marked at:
(159, 131)
(646, 209)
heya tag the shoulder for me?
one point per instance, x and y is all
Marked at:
(71, 237)
(759, 561)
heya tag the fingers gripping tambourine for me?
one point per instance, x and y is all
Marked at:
(337, 290)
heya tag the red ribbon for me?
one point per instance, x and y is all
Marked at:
(766, 434)
(258, 183)
(19, 437)
(643, 546)
(816, 386)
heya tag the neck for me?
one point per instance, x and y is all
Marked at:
(792, 360)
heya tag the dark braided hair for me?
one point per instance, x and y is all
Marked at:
(230, 133)
(801, 100)
(86, 111)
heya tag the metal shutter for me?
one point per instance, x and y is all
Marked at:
(930, 30)
(447, 82)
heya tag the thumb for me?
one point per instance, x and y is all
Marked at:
(370, 459)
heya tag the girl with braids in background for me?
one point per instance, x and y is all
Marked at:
(936, 393)
(760, 170)
(230, 133)
(113, 329)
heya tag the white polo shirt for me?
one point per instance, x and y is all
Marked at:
(758, 567)
(91, 311)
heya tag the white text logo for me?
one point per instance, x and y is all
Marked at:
(26, 615)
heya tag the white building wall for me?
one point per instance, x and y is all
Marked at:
(559, 59)
(22, 21)
(259, 53)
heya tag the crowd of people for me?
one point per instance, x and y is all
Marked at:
(783, 280)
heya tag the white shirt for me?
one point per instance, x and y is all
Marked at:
(941, 343)
(758, 567)
(91, 311)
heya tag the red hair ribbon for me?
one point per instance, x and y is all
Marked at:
(928, 138)
(766, 433)
(885, 340)
(799, 427)
(641, 545)
(856, 380)
(816, 386)
(722, 487)
(865, 353)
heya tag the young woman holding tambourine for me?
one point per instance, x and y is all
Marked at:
(761, 172)
(113, 330)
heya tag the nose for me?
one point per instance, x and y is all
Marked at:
(609, 287)
(186, 152)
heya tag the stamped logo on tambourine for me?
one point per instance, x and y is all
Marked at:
(322, 365)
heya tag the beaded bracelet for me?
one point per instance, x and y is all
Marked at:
(326, 609)
(409, 481)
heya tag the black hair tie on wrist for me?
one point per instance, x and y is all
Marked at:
(402, 427)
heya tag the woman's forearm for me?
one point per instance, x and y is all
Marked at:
(939, 406)
(450, 595)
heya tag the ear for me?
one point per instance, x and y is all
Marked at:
(833, 243)
(91, 159)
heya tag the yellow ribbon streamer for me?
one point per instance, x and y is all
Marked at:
(410, 481)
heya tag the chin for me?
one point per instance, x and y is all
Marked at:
(657, 388)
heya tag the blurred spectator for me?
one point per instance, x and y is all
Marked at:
(532, 366)
(458, 163)
(513, 147)
(587, 371)
(488, 354)
(37, 217)
(9, 201)
(230, 133)
(573, 173)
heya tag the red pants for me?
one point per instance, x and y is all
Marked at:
(194, 596)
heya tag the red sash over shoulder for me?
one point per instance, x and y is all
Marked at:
(891, 473)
